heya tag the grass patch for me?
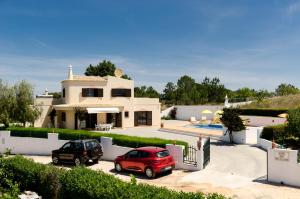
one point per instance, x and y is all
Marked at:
(282, 102)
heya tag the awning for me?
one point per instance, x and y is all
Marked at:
(103, 110)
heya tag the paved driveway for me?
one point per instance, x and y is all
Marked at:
(235, 170)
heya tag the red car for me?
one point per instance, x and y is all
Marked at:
(148, 160)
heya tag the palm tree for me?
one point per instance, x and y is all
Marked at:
(232, 121)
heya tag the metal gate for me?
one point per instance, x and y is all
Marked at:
(190, 156)
(206, 152)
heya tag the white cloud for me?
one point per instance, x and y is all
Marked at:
(293, 8)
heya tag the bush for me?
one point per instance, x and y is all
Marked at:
(294, 122)
(83, 183)
(276, 132)
(262, 112)
(40, 178)
(67, 134)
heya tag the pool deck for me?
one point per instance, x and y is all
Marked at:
(183, 126)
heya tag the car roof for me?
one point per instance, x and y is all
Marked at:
(83, 140)
(151, 149)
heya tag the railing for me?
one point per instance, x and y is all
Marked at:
(191, 156)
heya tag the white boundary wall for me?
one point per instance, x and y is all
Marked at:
(177, 152)
(247, 136)
(283, 167)
(42, 146)
(29, 145)
(166, 112)
(186, 112)
(263, 121)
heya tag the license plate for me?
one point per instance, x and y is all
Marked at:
(167, 168)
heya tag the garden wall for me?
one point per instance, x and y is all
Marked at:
(44, 146)
(186, 112)
(262, 120)
(29, 145)
(283, 166)
(247, 136)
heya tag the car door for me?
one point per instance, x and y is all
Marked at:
(96, 149)
(65, 152)
(144, 159)
(131, 159)
(89, 149)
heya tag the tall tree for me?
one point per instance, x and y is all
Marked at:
(169, 93)
(7, 103)
(145, 91)
(216, 91)
(25, 111)
(186, 89)
(286, 89)
(232, 121)
(102, 69)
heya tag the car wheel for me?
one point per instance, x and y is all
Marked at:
(95, 161)
(77, 161)
(149, 173)
(118, 167)
(55, 160)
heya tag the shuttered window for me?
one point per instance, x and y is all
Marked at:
(120, 92)
(92, 92)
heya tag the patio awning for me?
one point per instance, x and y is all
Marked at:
(103, 110)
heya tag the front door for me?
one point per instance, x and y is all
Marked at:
(90, 120)
(115, 118)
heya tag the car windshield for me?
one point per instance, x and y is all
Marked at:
(162, 154)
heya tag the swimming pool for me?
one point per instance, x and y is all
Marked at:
(209, 126)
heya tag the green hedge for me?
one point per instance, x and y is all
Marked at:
(281, 136)
(82, 183)
(67, 134)
(263, 112)
(276, 132)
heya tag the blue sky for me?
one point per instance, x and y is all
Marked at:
(250, 43)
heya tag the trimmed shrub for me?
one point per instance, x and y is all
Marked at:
(276, 132)
(262, 112)
(67, 134)
(83, 183)
(29, 175)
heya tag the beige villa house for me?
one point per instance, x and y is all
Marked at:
(106, 100)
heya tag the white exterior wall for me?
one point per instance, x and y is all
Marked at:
(186, 112)
(177, 152)
(41, 146)
(110, 151)
(166, 112)
(263, 121)
(28, 145)
(283, 167)
(247, 136)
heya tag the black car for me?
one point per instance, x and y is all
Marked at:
(78, 152)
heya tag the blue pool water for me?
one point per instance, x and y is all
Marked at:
(209, 126)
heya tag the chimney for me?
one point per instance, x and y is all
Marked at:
(70, 74)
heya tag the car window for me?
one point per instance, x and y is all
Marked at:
(143, 154)
(89, 145)
(132, 154)
(95, 144)
(162, 154)
(78, 145)
(67, 146)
